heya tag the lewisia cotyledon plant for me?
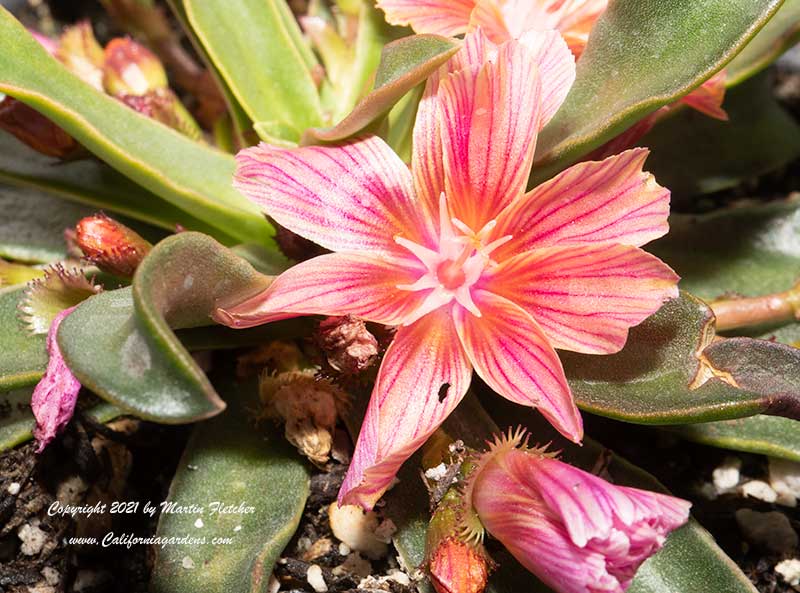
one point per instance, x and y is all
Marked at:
(577, 532)
(475, 272)
(510, 19)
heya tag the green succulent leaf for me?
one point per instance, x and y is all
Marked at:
(188, 174)
(671, 372)
(35, 233)
(121, 343)
(751, 250)
(779, 34)
(23, 356)
(40, 217)
(259, 51)
(241, 123)
(229, 461)
(16, 427)
(373, 35)
(765, 435)
(643, 54)
(108, 348)
(405, 63)
(695, 154)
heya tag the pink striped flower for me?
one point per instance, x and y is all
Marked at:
(573, 530)
(475, 272)
(510, 19)
(500, 19)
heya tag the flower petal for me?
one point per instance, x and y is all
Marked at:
(441, 17)
(611, 201)
(586, 297)
(54, 397)
(512, 355)
(591, 507)
(355, 196)
(511, 19)
(574, 530)
(426, 165)
(488, 148)
(556, 69)
(708, 97)
(423, 377)
(339, 284)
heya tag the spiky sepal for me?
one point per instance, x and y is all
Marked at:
(60, 288)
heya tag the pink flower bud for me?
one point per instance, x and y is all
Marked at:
(131, 69)
(575, 531)
(32, 128)
(80, 52)
(110, 245)
(458, 567)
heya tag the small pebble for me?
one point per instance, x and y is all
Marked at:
(344, 549)
(758, 489)
(51, 575)
(436, 473)
(784, 477)
(315, 579)
(357, 529)
(354, 565)
(727, 475)
(187, 563)
(13, 488)
(274, 585)
(32, 538)
(321, 547)
(199, 523)
(771, 530)
(237, 529)
(789, 571)
(398, 576)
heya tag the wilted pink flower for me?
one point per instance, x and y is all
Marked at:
(476, 272)
(510, 19)
(573, 530)
(54, 397)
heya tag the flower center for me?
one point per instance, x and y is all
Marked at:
(450, 273)
(454, 266)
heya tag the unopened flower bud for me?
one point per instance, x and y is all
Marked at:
(110, 245)
(347, 344)
(455, 564)
(572, 529)
(457, 567)
(79, 51)
(32, 128)
(129, 68)
(164, 106)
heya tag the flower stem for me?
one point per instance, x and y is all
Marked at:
(770, 309)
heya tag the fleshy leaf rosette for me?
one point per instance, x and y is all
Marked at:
(477, 273)
(575, 531)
